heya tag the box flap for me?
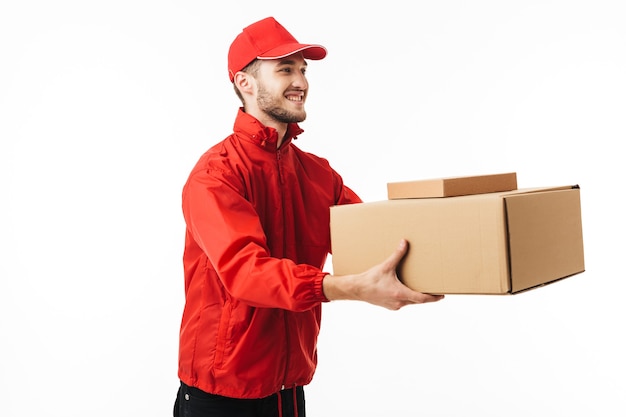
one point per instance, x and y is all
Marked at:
(545, 236)
(539, 189)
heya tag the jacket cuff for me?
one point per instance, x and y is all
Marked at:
(318, 286)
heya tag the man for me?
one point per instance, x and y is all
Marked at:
(257, 214)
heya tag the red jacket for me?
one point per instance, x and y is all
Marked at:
(257, 238)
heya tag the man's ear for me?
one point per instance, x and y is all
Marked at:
(244, 82)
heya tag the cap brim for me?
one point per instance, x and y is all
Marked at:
(314, 52)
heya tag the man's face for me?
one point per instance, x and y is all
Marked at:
(282, 88)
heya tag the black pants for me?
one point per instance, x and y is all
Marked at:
(192, 402)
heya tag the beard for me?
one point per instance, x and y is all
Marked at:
(272, 107)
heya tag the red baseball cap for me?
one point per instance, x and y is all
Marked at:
(267, 39)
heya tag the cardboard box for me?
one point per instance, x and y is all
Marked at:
(452, 186)
(495, 243)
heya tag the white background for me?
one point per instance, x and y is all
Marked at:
(106, 106)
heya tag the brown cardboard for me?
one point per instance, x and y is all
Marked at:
(495, 243)
(452, 186)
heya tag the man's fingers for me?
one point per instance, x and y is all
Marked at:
(397, 255)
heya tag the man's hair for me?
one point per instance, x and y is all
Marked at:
(253, 69)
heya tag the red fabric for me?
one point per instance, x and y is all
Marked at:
(267, 39)
(257, 237)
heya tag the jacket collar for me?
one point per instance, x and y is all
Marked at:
(248, 127)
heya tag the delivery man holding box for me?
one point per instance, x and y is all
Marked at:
(256, 209)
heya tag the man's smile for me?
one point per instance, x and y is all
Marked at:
(295, 97)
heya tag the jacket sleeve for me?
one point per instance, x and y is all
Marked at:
(226, 227)
(347, 196)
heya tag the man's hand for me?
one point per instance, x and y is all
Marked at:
(379, 285)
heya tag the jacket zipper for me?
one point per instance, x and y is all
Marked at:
(285, 320)
(287, 352)
(279, 166)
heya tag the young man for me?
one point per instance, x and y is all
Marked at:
(257, 214)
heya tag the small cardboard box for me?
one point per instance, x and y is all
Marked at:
(495, 243)
(452, 186)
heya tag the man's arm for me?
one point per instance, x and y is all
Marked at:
(379, 285)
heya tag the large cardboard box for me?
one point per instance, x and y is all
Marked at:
(452, 186)
(495, 243)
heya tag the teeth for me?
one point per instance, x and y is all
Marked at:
(297, 96)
